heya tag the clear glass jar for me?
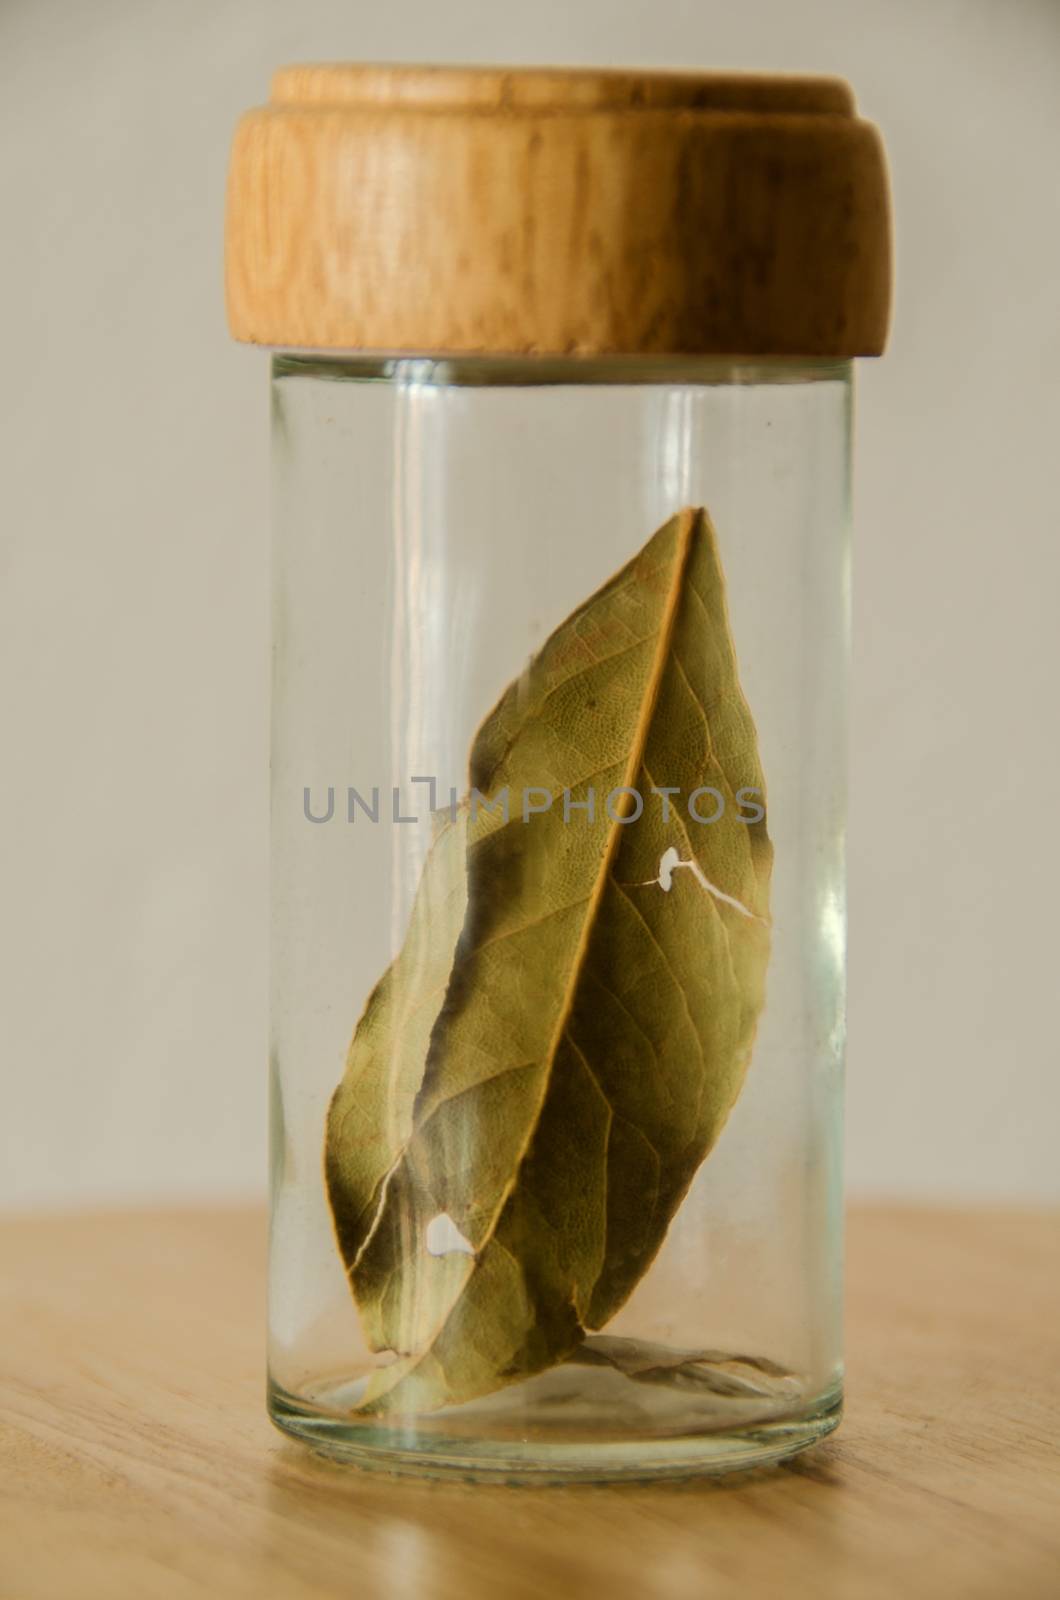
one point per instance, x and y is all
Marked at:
(585, 1164)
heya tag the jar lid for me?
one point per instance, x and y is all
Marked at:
(468, 210)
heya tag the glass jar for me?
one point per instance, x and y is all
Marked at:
(558, 913)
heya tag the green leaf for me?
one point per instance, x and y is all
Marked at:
(370, 1118)
(709, 1371)
(544, 1080)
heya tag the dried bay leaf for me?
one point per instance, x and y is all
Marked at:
(710, 1371)
(370, 1118)
(549, 1075)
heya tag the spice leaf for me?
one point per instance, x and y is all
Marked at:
(710, 1371)
(370, 1118)
(554, 1102)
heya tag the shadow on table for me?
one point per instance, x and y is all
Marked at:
(420, 1538)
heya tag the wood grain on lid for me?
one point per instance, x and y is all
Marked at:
(445, 210)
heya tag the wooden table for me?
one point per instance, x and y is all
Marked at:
(136, 1461)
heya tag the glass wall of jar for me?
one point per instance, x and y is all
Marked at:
(558, 910)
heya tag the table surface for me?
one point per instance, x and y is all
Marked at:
(136, 1460)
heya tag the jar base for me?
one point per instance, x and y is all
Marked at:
(408, 1449)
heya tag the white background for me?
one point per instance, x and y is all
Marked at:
(133, 655)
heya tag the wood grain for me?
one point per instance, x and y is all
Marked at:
(136, 1460)
(540, 211)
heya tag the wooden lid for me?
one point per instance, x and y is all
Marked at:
(464, 210)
